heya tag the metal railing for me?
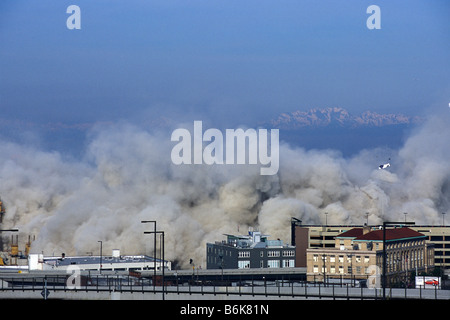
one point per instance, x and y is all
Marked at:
(248, 288)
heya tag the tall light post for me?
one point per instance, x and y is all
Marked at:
(101, 248)
(443, 239)
(324, 269)
(163, 267)
(154, 250)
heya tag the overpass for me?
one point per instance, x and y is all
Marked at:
(227, 275)
(193, 285)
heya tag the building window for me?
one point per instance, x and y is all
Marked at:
(244, 264)
(288, 253)
(288, 263)
(273, 263)
(273, 253)
(244, 254)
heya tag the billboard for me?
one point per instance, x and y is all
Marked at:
(428, 282)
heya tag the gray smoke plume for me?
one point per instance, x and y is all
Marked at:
(127, 176)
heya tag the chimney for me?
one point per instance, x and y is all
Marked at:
(366, 229)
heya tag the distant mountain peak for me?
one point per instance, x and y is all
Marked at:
(338, 117)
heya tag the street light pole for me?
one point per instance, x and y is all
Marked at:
(154, 250)
(101, 245)
(163, 267)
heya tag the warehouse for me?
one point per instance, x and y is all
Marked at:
(115, 262)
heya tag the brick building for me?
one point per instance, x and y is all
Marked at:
(358, 252)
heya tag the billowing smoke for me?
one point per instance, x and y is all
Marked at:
(127, 176)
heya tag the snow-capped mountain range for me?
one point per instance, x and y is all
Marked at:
(318, 128)
(338, 117)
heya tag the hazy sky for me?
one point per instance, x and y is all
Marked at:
(230, 61)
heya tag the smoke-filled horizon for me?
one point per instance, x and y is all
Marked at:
(127, 176)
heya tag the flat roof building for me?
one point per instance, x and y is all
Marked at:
(254, 250)
(115, 262)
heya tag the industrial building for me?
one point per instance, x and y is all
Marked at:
(115, 262)
(254, 250)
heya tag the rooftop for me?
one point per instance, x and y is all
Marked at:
(352, 233)
(392, 234)
(254, 239)
(83, 260)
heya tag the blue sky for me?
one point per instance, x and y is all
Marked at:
(234, 62)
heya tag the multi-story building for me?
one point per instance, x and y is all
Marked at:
(323, 236)
(358, 254)
(440, 237)
(254, 250)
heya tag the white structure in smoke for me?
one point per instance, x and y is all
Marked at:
(115, 262)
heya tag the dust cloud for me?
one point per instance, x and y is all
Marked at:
(126, 176)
